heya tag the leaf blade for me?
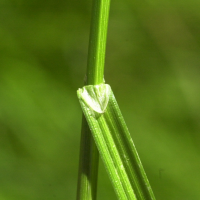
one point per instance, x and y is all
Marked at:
(117, 149)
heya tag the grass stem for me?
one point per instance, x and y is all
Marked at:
(89, 156)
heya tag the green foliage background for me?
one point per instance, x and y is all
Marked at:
(153, 66)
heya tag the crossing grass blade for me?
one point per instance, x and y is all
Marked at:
(114, 143)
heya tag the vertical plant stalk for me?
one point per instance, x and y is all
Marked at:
(89, 156)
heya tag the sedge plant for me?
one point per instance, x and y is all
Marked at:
(104, 130)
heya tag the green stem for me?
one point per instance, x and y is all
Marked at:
(97, 44)
(88, 165)
(89, 156)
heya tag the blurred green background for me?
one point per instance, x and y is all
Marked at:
(153, 66)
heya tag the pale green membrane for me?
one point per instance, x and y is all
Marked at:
(114, 143)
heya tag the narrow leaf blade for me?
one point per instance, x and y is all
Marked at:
(114, 143)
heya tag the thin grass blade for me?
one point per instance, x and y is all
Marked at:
(114, 143)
